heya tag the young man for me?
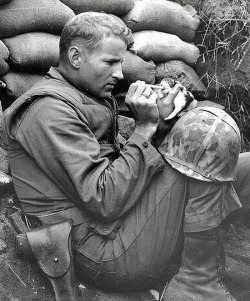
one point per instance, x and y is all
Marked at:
(68, 161)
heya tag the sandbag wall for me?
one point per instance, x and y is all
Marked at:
(163, 46)
(29, 43)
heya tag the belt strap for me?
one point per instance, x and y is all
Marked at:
(22, 244)
(74, 213)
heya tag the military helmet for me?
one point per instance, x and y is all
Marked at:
(204, 144)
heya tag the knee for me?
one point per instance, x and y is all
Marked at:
(242, 183)
(243, 170)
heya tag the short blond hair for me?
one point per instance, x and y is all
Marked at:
(89, 28)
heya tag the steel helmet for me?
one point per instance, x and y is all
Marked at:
(204, 144)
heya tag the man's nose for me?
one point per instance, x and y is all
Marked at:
(118, 72)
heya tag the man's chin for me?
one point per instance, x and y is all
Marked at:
(106, 94)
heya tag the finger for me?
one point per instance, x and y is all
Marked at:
(140, 89)
(160, 94)
(136, 88)
(153, 98)
(147, 92)
(132, 89)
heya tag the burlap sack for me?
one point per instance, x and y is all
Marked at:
(4, 55)
(181, 72)
(4, 67)
(20, 16)
(17, 83)
(161, 46)
(165, 16)
(4, 51)
(34, 51)
(116, 7)
(135, 68)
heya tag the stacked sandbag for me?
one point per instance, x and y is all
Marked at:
(18, 17)
(19, 82)
(33, 51)
(4, 55)
(164, 16)
(30, 31)
(161, 46)
(135, 68)
(164, 33)
(163, 30)
(115, 7)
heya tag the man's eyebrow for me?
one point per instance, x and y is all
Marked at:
(115, 59)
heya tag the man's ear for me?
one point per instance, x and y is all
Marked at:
(74, 55)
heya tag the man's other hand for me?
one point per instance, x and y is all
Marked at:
(142, 103)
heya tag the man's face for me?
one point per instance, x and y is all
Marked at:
(99, 72)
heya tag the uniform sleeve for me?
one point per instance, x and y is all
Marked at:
(68, 152)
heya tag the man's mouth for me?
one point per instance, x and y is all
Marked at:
(111, 84)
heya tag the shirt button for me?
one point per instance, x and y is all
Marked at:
(145, 144)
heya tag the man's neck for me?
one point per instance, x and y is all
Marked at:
(68, 78)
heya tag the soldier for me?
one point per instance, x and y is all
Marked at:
(128, 205)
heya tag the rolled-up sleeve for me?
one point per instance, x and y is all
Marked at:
(65, 149)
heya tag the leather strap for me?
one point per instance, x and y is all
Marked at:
(74, 213)
(22, 244)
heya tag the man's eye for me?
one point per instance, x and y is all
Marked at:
(110, 63)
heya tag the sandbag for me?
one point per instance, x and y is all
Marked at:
(4, 55)
(164, 16)
(18, 83)
(135, 68)
(4, 51)
(116, 7)
(18, 17)
(34, 51)
(161, 46)
(183, 73)
(4, 67)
